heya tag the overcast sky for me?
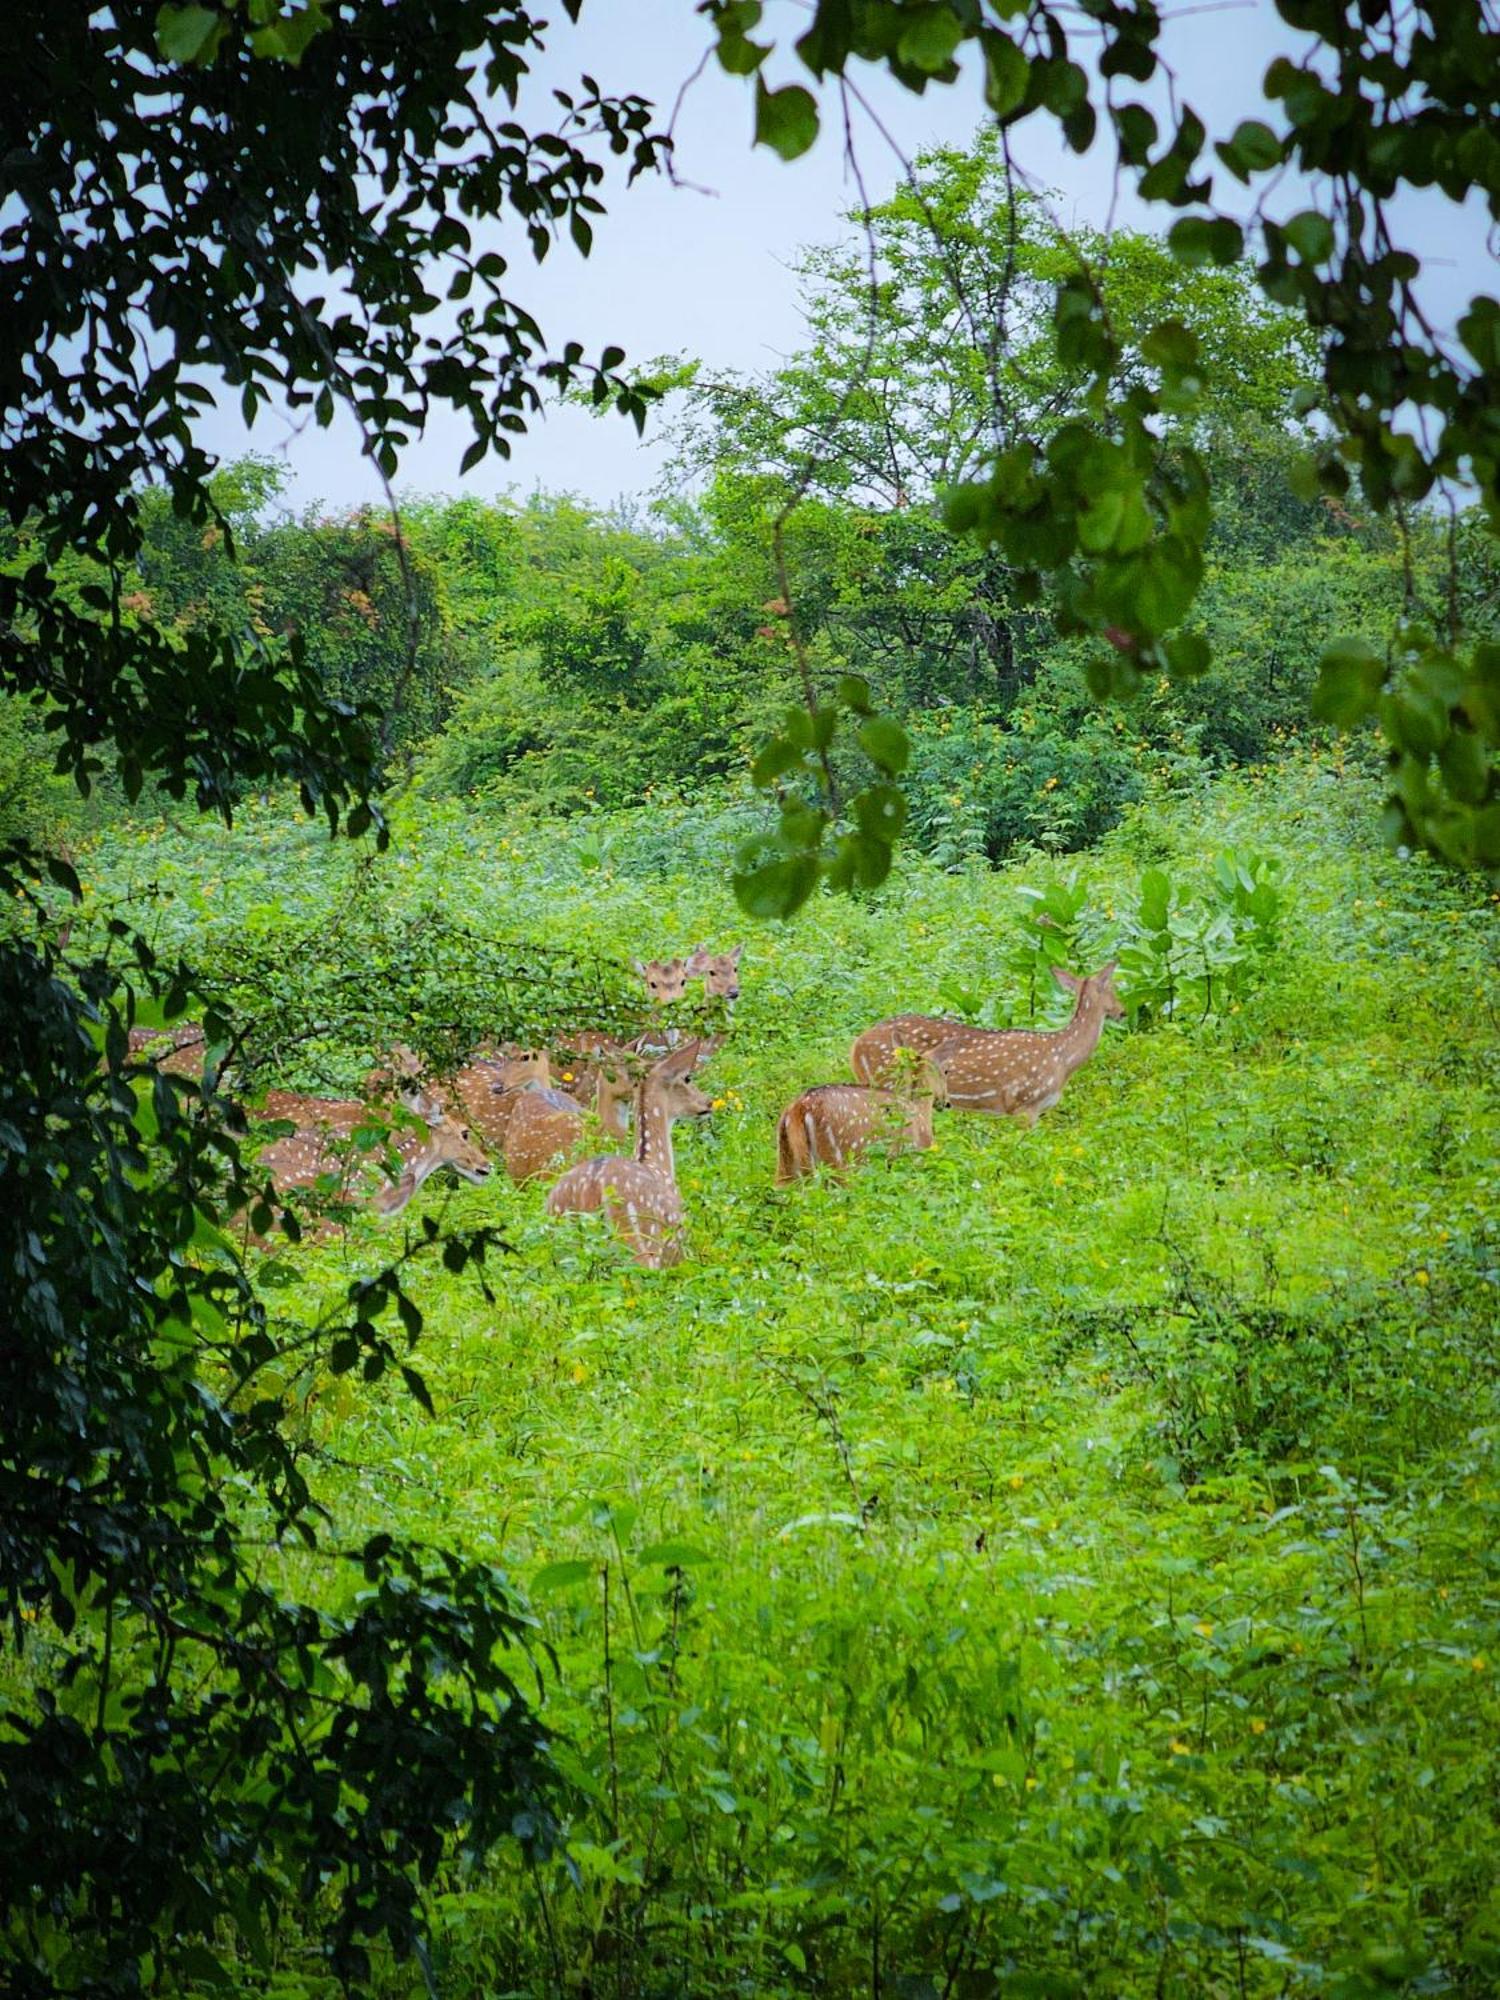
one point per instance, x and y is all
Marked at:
(677, 270)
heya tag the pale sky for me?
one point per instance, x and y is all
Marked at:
(676, 270)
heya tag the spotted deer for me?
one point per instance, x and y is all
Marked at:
(834, 1124)
(547, 1124)
(666, 983)
(322, 1145)
(1008, 1072)
(179, 1051)
(719, 971)
(639, 1194)
(489, 1090)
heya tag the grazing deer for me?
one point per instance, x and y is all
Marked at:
(719, 971)
(1009, 1072)
(179, 1051)
(639, 1195)
(321, 1145)
(547, 1124)
(835, 1123)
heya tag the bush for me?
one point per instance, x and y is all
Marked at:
(977, 790)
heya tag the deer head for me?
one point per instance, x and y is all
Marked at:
(719, 971)
(447, 1146)
(1098, 986)
(665, 979)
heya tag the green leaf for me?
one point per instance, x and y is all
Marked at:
(785, 120)
(674, 1555)
(880, 811)
(1253, 148)
(1465, 766)
(854, 693)
(1350, 676)
(562, 1576)
(773, 761)
(1006, 74)
(778, 888)
(1311, 236)
(929, 38)
(189, 34)
(885, 743)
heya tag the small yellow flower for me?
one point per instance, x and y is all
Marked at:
(580, 1371)
(1257, 1727)
(1422, 1278)
(1205, 1626)
(1479, 1663)
(1031, 1784)
(1181, 1749)
(1017, 1481)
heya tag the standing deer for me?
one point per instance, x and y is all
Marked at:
(719, 971)
(1009, 1072)
(639, 1195)
(546, 1125)
(321, 1145)
(835, 1123)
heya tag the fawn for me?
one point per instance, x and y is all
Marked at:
(639, 1195)
(321, 1145)
(835, 1123)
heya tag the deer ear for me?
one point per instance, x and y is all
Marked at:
(637, 968)
(736, 954)
(1068, 981)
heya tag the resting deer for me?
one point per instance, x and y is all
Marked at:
(321, 1145)
(546, 1125)
(666, 982)
(1009, 1072)
(180, 1051)
(835, 1123)
(719, 971)
(489, 1090)
(639, 1195)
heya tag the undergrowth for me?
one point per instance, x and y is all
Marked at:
(1064, 1563)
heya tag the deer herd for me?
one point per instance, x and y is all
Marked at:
(510, 1104)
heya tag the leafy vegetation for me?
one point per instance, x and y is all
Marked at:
(1064, 1561)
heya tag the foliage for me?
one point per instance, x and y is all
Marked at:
(188, 1741)
(1063, 1560)
(300, 209)
(1106, 507)
(977, 791)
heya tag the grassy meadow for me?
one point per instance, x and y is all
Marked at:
(1066, 1562)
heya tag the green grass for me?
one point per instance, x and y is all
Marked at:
(1062, 1563)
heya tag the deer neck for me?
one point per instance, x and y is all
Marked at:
(1079, 1039)
(653, 1143)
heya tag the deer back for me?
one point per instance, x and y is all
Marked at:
(641, 1204)
(543, 1133)
(179, 1051)
(833, 1124)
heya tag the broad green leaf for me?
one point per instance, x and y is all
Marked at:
(785, 120)
(885, 743)
(189, 34)
(1311, 236)
(929, 37)
(778, 888)
(563, 1576)
(1350, 676)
